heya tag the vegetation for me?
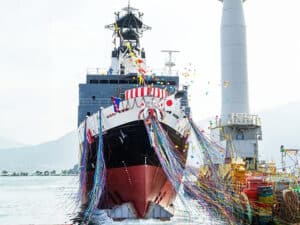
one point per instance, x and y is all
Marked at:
(70, 172)
(4, 173)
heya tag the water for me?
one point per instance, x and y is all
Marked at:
(51, 200)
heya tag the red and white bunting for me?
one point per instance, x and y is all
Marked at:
(145, 91)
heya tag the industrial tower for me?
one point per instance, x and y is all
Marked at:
(236, 125)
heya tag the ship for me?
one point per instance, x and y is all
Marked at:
(124, 97)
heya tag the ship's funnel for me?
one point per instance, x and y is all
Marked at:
(234, 59)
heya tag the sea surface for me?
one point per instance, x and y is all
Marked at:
(52, 200)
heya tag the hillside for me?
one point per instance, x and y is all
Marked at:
(280, 126)
(6, 143)
(59, 154)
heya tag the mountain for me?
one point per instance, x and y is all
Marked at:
(280, 126)
(6, 143)
(54, 155)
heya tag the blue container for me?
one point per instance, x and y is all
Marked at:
(265, 191)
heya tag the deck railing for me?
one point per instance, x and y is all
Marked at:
(239, 119)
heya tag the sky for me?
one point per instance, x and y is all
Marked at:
(46, 47)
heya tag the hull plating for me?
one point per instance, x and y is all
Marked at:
(134, 174)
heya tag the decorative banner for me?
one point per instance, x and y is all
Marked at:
(145, 91)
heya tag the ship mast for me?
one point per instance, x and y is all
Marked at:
(128, 29)
(170, 63)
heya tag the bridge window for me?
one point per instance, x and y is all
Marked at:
(113, 81)
(171, 82)
(132, 81)
(240, 136)
(93, 81)
(151, 82)
(123, 81)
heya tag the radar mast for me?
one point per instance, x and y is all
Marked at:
(170, 63)
(128, 30)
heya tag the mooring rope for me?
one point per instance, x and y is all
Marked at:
(290, 205)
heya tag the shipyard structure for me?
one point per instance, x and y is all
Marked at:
(256, 193)
(240, 129)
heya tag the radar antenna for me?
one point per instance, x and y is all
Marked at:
(129, 9)
(128, 5)
(169, 64)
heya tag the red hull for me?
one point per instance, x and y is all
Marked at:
(139, 185)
